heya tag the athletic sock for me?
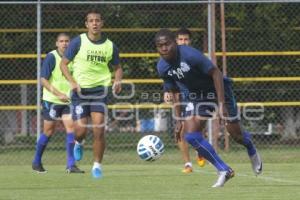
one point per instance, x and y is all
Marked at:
(79, 143)
(40, 147)
(248, 144)
(188, 164)
(206, 150)
(70, 141)
(97, 165)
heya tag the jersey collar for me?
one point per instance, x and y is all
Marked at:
(101, 41)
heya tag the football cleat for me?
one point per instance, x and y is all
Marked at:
(256, 164)
(78, 151)
(97, 173)
(224, 176)
(74, 170)
(187, 169)
(201, 161)
(39, 168)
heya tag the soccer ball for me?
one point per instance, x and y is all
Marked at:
(150, 148)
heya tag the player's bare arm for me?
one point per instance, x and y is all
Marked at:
(179, 123)
(117, 86)
(172, 97)
(219, 86)
(53, 90)
(64, 68)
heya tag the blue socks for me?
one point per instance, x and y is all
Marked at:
(40, 147)
(248, 144)
(70, 142)
(42, 143)
(206, 150)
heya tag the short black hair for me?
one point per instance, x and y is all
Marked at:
(62, 34)
(165, 33)
(183, 31)
(94, 11)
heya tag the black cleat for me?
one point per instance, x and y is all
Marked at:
(74, 169)
(39, 168)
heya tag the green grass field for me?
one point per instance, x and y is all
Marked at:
(128, 177)
(149, 181)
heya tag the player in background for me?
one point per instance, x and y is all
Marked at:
(92, 53)
(184, 37)
(56, 90)
(203, 90)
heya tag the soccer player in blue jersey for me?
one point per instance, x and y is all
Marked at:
(203, 89)
(92, 53)
(56, 90)
(183, 37)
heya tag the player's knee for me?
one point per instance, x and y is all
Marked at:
(80, 130)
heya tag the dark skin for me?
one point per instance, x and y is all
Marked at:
(167, 49)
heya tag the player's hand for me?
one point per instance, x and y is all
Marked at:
(117, 87)
(168, 97)
(177, 130)
(64, 98)
(223, 113)
(75, 87)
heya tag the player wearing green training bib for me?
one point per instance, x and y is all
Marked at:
(56, 90)
(91, 53)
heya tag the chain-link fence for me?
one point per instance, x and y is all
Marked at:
(262, 57)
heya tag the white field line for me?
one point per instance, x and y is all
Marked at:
(261, 177)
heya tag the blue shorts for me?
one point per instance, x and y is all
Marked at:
(89, 100)
(53, 112)
(204, 104)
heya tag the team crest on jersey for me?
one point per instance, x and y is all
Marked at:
(178, 72)
(184, 67)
